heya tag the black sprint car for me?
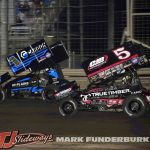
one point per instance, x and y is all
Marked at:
(114, 83)
(44, 77)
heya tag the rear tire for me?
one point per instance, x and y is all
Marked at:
(68, 107)
(48, 94)
(2, 95)
(135, 106)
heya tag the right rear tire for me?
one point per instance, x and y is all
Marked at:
(135, 106)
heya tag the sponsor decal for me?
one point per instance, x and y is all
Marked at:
(148, 98)
(135, 60)
(19, 84)
(113, 66)
(48, 55)
(97, 62)
(118, 68)
(37, 48)
(63, 93)
(24, 54)
(105, 93)
(136, 92)
(11, 139)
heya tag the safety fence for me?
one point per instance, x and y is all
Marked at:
(86, 27)
(83, 25)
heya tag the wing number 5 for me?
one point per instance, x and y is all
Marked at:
(121, 53)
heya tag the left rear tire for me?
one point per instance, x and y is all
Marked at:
(48, 94)
(68, 107)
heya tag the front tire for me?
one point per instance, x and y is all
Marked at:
(135, 106)
(68, 107)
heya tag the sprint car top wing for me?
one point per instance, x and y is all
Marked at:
(115, 61)
(37, 56)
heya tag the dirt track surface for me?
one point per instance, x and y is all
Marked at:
(33, 115)
(70, 146)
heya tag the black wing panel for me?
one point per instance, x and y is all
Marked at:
(115, 61)
(37, 56)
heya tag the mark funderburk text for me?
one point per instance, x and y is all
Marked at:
(102, 139)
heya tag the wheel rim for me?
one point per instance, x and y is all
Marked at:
(134, 107)
(68, 108)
